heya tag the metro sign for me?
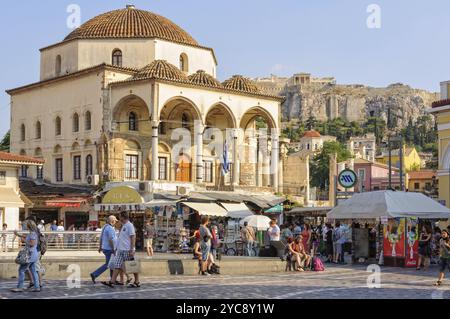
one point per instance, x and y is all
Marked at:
(347, 178)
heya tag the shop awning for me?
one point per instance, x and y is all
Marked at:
(208, 209)
(9, 198)
(161, 203)
(237, 210)
(66, 202)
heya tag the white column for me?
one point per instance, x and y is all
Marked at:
(155, 155)
(253, 157)
(275, 158)
(235, 180)
(259, 165)
(199, 128)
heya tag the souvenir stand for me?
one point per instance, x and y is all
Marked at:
(395, 216)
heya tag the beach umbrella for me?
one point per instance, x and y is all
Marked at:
(259, 222)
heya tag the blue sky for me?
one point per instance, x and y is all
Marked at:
(259, 37)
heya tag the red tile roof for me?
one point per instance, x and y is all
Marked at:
(422, 175)
(312, 133)
(9, 157)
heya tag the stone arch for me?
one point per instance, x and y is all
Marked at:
(221, 109)
(250, 115)
(75, 146)
(57, 149)
(172, 104)
(132, 104)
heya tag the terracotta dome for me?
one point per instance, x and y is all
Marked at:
(240, 83)
(312, 133)
(131, 23)
(161, 69)
(204, 79)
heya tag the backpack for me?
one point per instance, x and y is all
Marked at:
(317, 264)
(42, 243)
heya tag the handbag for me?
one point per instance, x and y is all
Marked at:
(132, 267)
(23, 257)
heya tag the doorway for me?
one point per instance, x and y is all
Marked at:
(183, 169)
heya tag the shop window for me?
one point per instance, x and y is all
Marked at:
(132, 122)
(87, 121)
(38, 130)
(162, 168)
(22, 133)
(77, 168)
(58, 65)
(76, 123)
(208, 171)
(416, 186)
(39, 172)
(24, 171)
(117, 58)
(89, 165)
(59, 169)
(58, 126)
(131, 167)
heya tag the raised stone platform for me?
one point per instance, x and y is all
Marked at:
(60, 265)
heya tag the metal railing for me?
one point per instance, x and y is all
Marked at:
(67, 240)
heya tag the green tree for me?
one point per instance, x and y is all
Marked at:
(5, 143)
(377, 126)
(311, 123)
(320, 166)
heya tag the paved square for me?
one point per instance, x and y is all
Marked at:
(347, 282)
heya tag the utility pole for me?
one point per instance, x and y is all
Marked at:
(389, 147)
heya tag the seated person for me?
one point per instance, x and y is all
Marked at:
(305, 256)
(296, 255)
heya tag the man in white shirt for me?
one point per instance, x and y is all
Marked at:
(274, 231)
(125, 250)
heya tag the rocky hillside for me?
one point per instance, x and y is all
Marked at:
(354, 102)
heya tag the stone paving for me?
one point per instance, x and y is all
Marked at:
(346, 282)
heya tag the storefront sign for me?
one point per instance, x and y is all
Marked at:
(123, 195)
(394, 238)
(412, 243)
(347, 178)
(60, 204)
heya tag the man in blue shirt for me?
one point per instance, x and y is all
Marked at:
(107, 243)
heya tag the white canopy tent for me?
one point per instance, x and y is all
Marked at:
(237, 211)
(390, 204)
(260, 222)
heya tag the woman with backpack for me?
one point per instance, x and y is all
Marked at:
(28, 257)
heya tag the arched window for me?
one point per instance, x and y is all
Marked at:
(88, 165)
(58, 65)
(22, 132)
(185, 121)
(87, 121)
(184, 64)
(38, 130)
(76, 123)
(117, 58)
(162, 128)
(132, 122)
(58, 126)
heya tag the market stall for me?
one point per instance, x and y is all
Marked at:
(398, 216)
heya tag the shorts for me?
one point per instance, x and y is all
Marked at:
(206, 249)
(148, 243)
(121, 257)
(444, 263)
(38, 265)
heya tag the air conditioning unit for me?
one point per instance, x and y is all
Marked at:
(182, 191)
(93, 180)
(146, 187)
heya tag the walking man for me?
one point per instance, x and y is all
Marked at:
(125, 251)
(248, 237)
(106, 246)
(149, 234)
(444, 251)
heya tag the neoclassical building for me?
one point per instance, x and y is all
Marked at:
(112, 95)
